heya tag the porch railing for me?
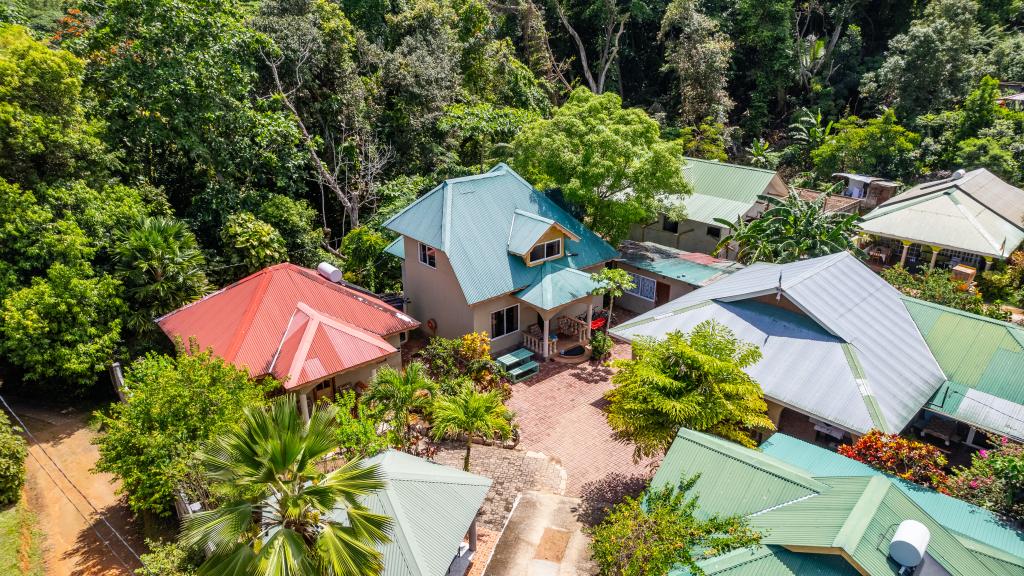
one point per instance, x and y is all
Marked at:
(573, 327)
(534, 341)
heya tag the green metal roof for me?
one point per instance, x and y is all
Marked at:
(722, 190)
(983, 360)
(397, 248)
(691, 267)
(471, 220)
(857, 514)
(555, 286)
(773, 561)
(976, 527)
(527, 228)
(977, 213)
(431, 507)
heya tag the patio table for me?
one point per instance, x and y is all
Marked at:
(514, 357)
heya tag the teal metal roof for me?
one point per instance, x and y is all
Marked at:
(555, 286)
(976, 526)
(431, 507)
(397, 248)
(773, 561)
(983, 360)
(691, 267)
(722, 190)
(856, 514)
(471, 220)
(527, 228)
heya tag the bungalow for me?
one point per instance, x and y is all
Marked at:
(867, 191)
(839, 345)
(970, 218)
(489, 253)
(720, 190)
(296, 325)
(822, 513)
(661, 274)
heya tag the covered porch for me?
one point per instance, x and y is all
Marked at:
(559, 311)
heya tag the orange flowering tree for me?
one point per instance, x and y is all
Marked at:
(893, 454)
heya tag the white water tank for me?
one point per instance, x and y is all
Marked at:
(329, 271)
(958, 174)
(909, 543)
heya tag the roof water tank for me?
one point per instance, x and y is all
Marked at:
(958, 174)
(909, 543)
(329, 271)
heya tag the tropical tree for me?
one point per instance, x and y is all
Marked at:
(251, 244)
(791, 229)
(614, 282)
(662, 529)
(697, 53)
(693, 380)
(879, 146)
(161, 266)
(287, 516)
(473, 414)
(399, 394)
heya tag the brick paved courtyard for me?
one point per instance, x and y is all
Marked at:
(559, 414)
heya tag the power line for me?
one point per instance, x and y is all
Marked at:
(75, 486)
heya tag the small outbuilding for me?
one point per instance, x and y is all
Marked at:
(661, 273)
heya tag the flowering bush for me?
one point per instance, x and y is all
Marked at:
(994, 480)
(451, 360)
(893, 454)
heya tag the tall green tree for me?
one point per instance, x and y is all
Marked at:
(791, 229)
(472, 414)
(396, 395)
(663, 530)
(693, 380)
(608, 160)
(250, 244)
(161, 267)
(288, 516)
(878, 146)
(697, 54)
(172, 406)
(764, 65)
(612, 282)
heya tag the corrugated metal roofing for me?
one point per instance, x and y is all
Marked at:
(983, 359)
(722, 190)
(555, 286)
(773, 561)
(470, 220)
(526, 229)
(246, 322)
(857, 514)
(962, 518)
(976, 213)
(397, 248)
(431, 507)
(693, 268)
(848, 301)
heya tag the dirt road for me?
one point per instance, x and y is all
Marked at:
(73, 547)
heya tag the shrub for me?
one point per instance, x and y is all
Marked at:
(357, 430)
(940, 287)
(168, 559)
(994, 480)
(893, 454)
(601, 345)
(449, 360)
(13, 452)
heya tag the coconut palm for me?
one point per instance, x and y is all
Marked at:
(398, 394)
(286, 516)
(160, 263)
(473, 413)
(792, 229)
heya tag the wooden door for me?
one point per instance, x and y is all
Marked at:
(661, 293)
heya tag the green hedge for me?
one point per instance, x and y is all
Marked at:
(13, 452)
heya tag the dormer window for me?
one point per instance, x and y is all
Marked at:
(546, 251)
(428, 255)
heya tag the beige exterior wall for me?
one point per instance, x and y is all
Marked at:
(482, 320)
(692, 236)
(553, 233)
(350, 378)
(637, 304)
(434, 293)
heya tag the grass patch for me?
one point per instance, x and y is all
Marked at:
(20, 542)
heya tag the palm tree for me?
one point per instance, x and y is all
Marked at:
(285, 516)
(401, 393)
(160, 263)
(473, 413)
(792, 229)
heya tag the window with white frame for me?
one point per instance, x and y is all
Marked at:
(428, 255)
(505, 321)
(546, 251)
(644, 287)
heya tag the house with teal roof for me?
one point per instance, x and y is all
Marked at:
(661, 273)
(490, 253)
(822, 514)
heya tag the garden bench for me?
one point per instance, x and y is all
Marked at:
(524, 371)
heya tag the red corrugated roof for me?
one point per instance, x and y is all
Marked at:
(247, 323)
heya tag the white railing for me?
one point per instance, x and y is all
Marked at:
(573, 327)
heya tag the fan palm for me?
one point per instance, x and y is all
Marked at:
(401, 393)
(473, 413)
(160, 263)
(792, 229)
(288, 517)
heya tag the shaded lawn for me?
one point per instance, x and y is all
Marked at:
(20, 542)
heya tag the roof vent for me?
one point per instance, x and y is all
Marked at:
(329, 271)
(958, 174)
(909, 543)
